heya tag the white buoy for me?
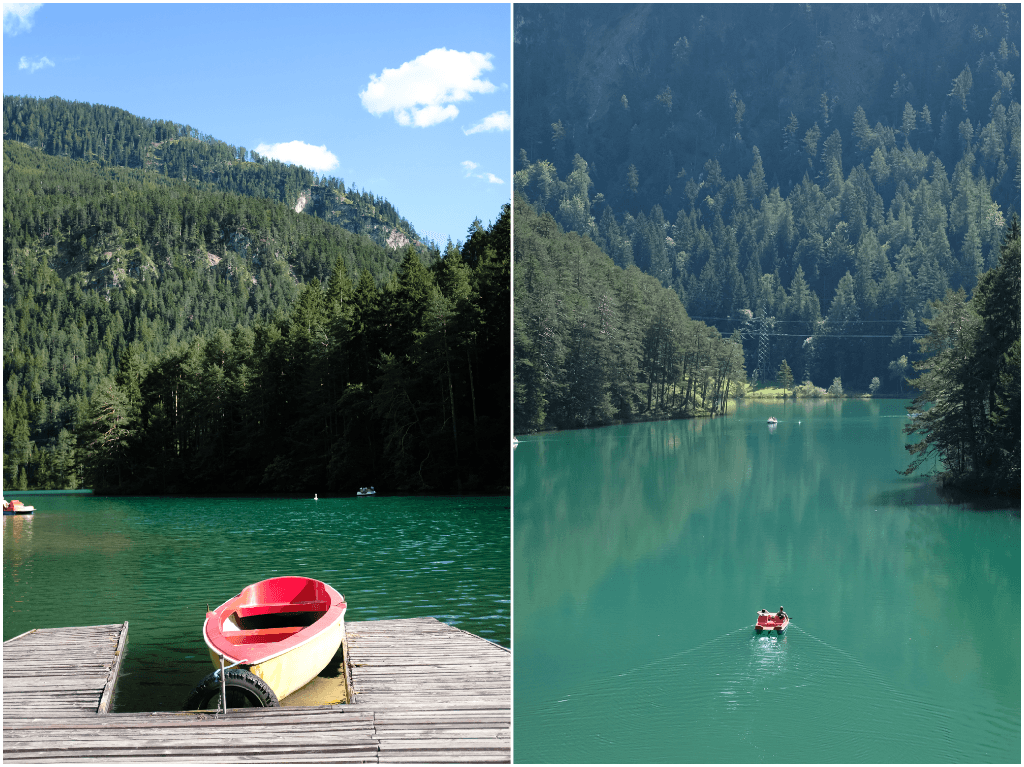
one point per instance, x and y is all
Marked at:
(315, 498)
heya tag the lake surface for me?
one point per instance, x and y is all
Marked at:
(158, 562)
(642, 553)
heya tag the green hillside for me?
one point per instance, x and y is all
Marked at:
(811, 176)
(114, 137)
(112, 273)
(595, 343)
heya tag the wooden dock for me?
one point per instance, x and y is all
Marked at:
(69, 672)
(422, 691)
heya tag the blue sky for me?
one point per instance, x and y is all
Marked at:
(410, 101)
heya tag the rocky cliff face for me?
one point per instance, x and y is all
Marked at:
(354, 213)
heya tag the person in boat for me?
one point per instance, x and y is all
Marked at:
(781, 615)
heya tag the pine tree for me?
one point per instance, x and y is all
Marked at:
(785, 377)
(106, 437)
(997, 301)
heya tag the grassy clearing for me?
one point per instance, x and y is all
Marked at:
(772, 391)
(767, 392)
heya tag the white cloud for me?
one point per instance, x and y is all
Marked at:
(469, 166)
(18, 17)
(427, 116)
(496, 121)
(422, 92)
(32, 66)
(300, 153)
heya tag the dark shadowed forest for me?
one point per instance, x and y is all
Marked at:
(811, 175)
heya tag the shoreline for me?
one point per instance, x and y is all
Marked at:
(732, 400)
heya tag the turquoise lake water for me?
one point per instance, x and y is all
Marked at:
(642, 553)
(157, 563)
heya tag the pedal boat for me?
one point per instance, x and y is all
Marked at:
(284, 630)
(17, 507)
(769, 622)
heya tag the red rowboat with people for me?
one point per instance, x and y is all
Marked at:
(17, 507)
(769, 622)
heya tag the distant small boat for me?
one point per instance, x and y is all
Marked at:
(283, 631)
(772, 420)
(366, 491)
(515, 443)
(17, 507)
(769, 622)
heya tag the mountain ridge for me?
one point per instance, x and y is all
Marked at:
(114, 136)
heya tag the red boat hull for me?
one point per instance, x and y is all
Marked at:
(227, 629)
(17, 507)
(771, 622)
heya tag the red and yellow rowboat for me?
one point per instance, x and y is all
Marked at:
(283, 630)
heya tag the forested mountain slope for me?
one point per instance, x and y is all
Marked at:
(404, 388)
(110, 270)
(595, 343)
(112, 136)
(810, 175)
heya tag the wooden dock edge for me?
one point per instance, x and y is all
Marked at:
(346, 664)
(22, 634)
(476, 636)
(115, 670)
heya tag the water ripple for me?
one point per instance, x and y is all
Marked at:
(746, 697)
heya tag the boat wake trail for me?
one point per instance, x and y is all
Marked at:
(863, 669)
(597, 685)
(674, 656)
(873, 698)
(742, 697)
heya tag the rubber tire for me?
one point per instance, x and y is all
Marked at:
(244, 690)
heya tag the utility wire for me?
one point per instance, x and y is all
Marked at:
(779, 322)
(840, 335)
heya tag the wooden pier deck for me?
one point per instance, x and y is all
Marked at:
(423, 692)
(69, 672)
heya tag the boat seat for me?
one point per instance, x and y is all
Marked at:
(261, 636)
(267, 608)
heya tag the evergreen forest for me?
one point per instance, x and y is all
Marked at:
(807, 179)
(113, 137)
(596, 343)
(968, 410)
(183, 316)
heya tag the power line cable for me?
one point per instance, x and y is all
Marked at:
(841, 335)
(779, 322)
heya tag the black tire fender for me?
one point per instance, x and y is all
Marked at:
(244, 690)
